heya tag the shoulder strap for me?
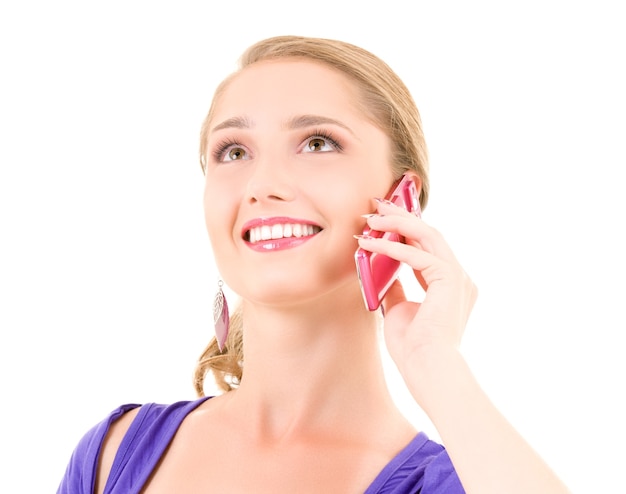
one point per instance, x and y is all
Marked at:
(80, 474)
(144, 443)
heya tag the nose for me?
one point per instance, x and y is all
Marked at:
(271, 180)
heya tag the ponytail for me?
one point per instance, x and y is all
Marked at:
(226, 366)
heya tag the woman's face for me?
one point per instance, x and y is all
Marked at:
(292, 164)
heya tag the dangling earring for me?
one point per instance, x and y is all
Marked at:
(221, 318)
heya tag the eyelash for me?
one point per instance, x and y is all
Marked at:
(222, 146)
(324, 134)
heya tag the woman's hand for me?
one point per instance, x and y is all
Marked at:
(438, 322)
(488, 454)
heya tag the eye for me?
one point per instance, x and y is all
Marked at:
(235, 153)
(321, 142)
(317, 144)
(229, 150)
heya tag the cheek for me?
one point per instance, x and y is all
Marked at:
(219, 213)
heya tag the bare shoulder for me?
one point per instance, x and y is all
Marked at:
(110, 445)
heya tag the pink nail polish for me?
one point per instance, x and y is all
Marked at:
(383, 201)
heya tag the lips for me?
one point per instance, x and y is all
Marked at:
(266, 230)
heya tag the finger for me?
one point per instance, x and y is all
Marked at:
(430, 266)
(420, 279)
(384, 206)
(394, 296)
(413, 230)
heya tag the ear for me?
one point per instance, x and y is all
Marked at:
(416, 178)
(411, 174)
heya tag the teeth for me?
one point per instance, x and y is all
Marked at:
(273, 232)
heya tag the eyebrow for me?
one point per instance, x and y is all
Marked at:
(297, 122)
(233, 123)
(302, 121)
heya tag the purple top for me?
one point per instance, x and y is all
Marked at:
(423, 466)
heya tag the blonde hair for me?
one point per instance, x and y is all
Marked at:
(384, 99)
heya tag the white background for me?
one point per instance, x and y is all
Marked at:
(105, 268)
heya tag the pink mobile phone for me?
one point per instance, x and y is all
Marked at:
(377, 271)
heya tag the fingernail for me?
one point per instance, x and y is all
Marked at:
(383, 201)
(364, 237)
(371, 215)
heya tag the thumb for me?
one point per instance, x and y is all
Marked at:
(394, 296)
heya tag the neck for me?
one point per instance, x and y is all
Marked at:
(311, 367)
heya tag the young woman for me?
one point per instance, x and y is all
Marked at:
(298, 148)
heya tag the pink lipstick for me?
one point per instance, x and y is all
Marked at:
(278, 232)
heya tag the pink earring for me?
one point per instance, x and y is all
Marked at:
(221, 318)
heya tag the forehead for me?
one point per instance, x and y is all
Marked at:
(291, 85)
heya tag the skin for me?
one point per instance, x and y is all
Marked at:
(280, 176)
(313, 380)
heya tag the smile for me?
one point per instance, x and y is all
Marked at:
(274, 232)
(278, 233)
